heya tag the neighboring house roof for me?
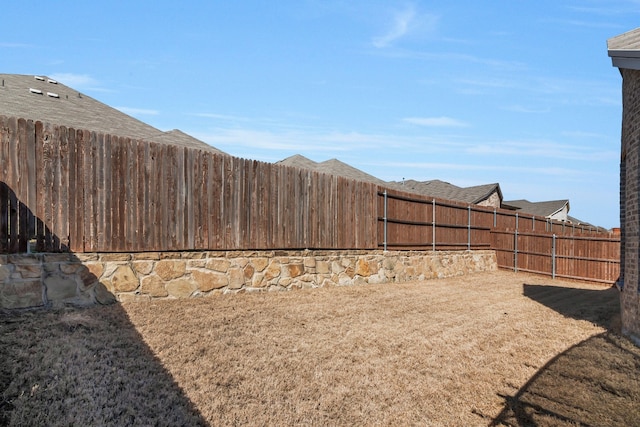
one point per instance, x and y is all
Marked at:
(331, 167)
(445, 190)
(542, 209)
(47, 100)
(298, 161)
(624, 50)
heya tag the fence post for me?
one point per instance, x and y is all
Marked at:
(553, 257)
(533, 221)
(495, 220)
(515, 247)
(469, 228)
(433, 226)
(385, 221)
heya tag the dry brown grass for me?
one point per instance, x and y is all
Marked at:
(491, 348)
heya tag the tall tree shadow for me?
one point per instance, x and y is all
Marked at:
(596, 382)
(74, 365)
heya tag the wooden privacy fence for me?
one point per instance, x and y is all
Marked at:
(522, 242)
(590, 258)
(83, 191)
(63, 189)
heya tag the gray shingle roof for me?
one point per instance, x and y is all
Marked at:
(447, 191)
(298, 161)
(44, 99)
(542, 209)
(627, 41)
(330, 167)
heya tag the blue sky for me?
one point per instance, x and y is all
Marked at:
(516, 92)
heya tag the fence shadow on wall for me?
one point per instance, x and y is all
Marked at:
(74, 366)
(20, 230)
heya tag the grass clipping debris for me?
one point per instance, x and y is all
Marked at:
(494, 348)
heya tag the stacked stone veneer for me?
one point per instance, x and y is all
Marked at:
(85, 279)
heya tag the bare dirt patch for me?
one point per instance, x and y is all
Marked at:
(491, 348)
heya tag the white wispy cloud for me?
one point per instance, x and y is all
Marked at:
(435, 121)
(541, 149)
(466, 167)
(288, 140)
(528, 110)
(77, 81)
(80, 82)
(15, 45)
(400, 26)
(405, 22)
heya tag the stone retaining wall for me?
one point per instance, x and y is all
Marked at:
(85, 279)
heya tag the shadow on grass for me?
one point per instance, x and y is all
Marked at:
(84, 367)
(75, 366)
(594, 305)
(596, 382)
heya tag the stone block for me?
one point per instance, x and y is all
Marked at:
(28, 271)
(115, 257)
(344, 279)
(363, 268)
(248, 272)
(236, 278)
(181, 288)
(218, 264)
(149, 256)
(124, 279)
(58, 258)
(21, 294)
(143, 267)
(336, 267)
(208, 281)
(24, 259)
(292, 270)
(70, 268)
(273, 270)
(5, 272)
(197, 263)
(323, 267)
(193, 255)
(170, 269)
(102, 294)
(86, 257)
(259, 264)
(241, 262)
(60, 288)
(153, 286)
(258, 280)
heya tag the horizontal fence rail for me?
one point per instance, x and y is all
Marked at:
(63, 189)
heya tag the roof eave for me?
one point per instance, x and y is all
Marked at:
(625, 58)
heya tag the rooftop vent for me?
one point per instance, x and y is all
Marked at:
(38, 91)
(53, 95)
(53, 82)
(39, 78)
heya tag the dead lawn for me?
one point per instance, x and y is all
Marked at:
(492, 348)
